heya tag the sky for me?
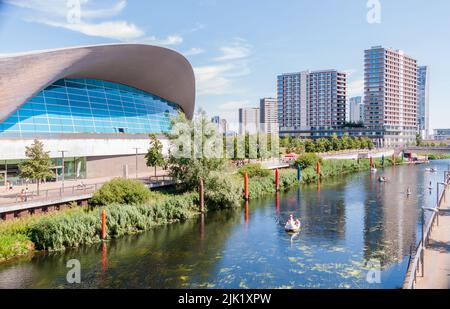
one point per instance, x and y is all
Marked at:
(238, 47)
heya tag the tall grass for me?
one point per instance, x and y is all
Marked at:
(84, 228)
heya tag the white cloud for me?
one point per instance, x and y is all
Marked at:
(238, 49)
(234, 105)
(119, 30)
(93, 19)
(218, 79)
(193, 51)
(355, 88)
(170, 40)
(58, 8)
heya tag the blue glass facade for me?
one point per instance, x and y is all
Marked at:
(90, 106)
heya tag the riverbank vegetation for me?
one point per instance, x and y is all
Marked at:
(438, 156)
(321, 145)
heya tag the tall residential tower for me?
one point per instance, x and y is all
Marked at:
(268, 108)
(390, 95)
(311, 100)
(423, 102)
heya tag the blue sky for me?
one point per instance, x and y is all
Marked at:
(238, 47)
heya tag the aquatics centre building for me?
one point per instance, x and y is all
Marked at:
(95, 105)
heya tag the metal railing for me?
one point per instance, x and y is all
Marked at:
(45, 195)
(418, 259)
(159, 178)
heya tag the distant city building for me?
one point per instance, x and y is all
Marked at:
(326, 96)
(311, 100)
(423, 104)
(249, 120)
(292, 101)
(268, 108)
(390, 96)
(356, 110)
(222, 124)
(215, 120)
(442, 134)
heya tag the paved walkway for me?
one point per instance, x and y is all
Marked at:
(51, 190)
(437, 255)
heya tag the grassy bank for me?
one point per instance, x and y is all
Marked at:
(261, 185)
(82, 226)
(438, 156)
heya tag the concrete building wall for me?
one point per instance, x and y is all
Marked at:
(249, 121)
(14, 149)
(98, 167)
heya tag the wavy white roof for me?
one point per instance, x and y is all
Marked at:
(160, 71)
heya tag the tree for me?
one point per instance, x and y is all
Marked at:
(196, 150)
(310, 146)
(322, 145)
(419, 140)
(336, 143)
(38, 166)
(154, 154)
(345, 142)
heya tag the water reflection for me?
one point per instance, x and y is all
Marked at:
(348, 224)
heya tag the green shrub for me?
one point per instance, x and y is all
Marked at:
(308, 160)
(222, 191)
(254, 170)
(121, 191)
(14, 245)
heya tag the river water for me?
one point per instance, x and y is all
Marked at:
(356, 233)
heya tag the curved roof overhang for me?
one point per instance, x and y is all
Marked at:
(159, 71)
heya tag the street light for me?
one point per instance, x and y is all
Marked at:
(423, 236)
(136, 162)
(62, 173)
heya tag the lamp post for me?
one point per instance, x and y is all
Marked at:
(423, 236)
(437, 189)
(62, 168)
(136, 161)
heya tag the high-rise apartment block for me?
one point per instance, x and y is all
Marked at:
(423, 102)
(249, 120)
(311, 100)
(292, 101)
(268, 108)
(326, 96)
(390, 95)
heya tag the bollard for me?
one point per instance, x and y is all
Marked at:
(103, 224)
(277, 203)
(246, 186)
(246, 212)
(299, 173)
(393, 159)
(382, 161)
(201, 191)
(277, 179)
(318, 170)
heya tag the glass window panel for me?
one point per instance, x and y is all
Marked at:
(93, 106)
